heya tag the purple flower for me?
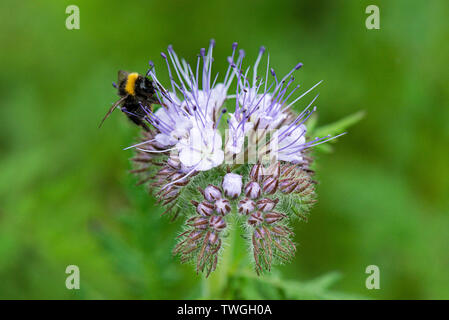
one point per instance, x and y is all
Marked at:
(185, 155)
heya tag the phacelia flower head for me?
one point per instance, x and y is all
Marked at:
(230, 148)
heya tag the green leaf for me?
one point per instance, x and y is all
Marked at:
(324, 282)
(340, 125)
(318, 288)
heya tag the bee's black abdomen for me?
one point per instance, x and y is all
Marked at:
(135, 113)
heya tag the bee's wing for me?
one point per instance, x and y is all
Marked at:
(122, 75)
(112, 109)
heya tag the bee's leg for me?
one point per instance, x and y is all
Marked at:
(144, 126)
(138, 121)
(135, 118)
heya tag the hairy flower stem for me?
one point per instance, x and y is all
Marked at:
(205, 290)
(216, 285)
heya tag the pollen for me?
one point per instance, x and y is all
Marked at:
(131, 83)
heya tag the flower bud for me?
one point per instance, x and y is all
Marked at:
(279, 231)
(270, 185)
(260, 233)
(300, 188)
(169, 193)
(217, 222)
(252, 190)
(288, 170)
(257, 172)
(288, 185)
(212, 193)
(246, 206)
(272, 217)
(173, 163)
(200, 223)
(232, 185)
(255, 218)
(176, 176)
(165, 171)
(181, 182)
(283, 183)
(274, 170)
(266, 204)
(204, 208)
(222, 206)
(213, 237)
(195, 235)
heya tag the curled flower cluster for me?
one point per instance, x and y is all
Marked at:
(208, 162)
(271, 238)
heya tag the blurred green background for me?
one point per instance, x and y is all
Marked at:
(65, 194)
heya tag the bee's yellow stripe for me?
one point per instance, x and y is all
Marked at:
(131, 83)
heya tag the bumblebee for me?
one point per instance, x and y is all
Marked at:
(135, 91)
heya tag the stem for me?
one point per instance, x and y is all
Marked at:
(215, 286)
(205, 288)
(228, 257)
